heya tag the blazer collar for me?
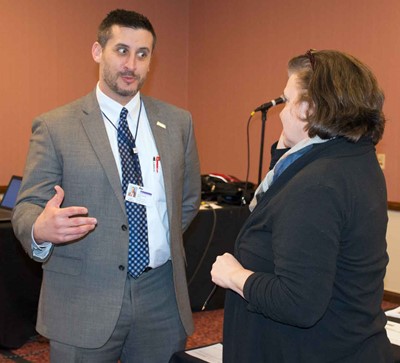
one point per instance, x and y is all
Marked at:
(93, 124)
(161, 127)
(338, 146)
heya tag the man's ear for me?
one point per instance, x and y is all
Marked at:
(97, 51)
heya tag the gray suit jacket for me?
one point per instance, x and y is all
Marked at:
(83, 283)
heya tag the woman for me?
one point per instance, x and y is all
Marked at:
(306, 281)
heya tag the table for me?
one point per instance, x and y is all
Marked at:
(212, 233)
(20, 279)
(183, 357)
(396, 348)
(20, 276)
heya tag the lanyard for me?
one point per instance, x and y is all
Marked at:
(137, 122)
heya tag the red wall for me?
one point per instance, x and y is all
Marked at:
(238, 53)
(218, 58)
(46, 61)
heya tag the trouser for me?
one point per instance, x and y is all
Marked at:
(148, 330)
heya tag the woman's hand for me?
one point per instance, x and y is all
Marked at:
(227, 272)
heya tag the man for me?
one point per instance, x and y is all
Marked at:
(106, 293)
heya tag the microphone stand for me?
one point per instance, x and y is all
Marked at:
(263, 122)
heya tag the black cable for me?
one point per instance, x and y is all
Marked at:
(215, 287)
(199, 264)
(248, 162)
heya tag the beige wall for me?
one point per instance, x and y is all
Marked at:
(392, 281)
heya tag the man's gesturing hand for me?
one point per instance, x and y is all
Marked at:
(61, 225)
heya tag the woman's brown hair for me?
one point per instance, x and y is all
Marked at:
(343, 95)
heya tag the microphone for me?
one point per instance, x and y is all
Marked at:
(268, 105)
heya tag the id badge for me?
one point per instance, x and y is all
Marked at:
(138, 194)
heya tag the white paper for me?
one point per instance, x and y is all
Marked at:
(395, 313)
(211, 353)
(393, 332)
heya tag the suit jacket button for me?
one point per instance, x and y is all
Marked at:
(121, 267)
(124, 227)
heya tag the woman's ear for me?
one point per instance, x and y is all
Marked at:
(305, 110)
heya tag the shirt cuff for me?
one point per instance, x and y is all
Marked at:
(40, 251)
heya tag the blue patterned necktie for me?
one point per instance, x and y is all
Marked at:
(138, 255)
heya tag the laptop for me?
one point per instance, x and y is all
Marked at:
(9, 198)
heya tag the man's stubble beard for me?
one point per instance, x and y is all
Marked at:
(112, 83)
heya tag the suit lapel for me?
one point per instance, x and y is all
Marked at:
(96, 132)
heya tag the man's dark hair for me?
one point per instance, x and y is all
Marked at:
(124, 18)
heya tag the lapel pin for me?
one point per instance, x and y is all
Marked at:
(161, 125)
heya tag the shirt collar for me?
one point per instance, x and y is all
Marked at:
(113, 109)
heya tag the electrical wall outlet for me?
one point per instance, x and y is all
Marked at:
(381, 160)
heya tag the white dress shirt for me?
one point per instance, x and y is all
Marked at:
(153, 181)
